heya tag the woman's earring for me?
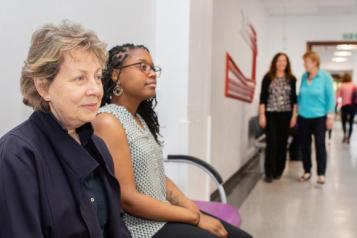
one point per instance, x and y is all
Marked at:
(117, 91)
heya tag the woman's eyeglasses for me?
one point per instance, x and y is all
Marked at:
(145, 68)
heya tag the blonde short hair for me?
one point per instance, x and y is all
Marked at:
(313, 56)
(49, 45)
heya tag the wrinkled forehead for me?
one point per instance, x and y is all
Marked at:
(79, 55)
(81, 59)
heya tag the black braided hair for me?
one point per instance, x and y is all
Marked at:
(117, 56)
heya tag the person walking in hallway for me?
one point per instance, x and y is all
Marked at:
(344, 97)
(277, 113)
(316, 108)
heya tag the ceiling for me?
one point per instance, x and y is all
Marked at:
(328, 57)
(327, 53)
(310, 7)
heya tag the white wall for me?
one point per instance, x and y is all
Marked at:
(290, 34)
(214, 28)
(199, 92)
(229, 116)
(115, 22)
(184, 34)
(172, 43)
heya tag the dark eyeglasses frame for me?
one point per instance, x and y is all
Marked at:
(156, 69)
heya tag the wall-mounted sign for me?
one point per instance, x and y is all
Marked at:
(349, 36)
(238, 85)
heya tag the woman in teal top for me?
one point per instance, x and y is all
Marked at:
(316, 106)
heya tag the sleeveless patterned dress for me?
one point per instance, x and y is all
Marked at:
(148, 167)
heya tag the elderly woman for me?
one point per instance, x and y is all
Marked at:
(316, 108)
(56, 177)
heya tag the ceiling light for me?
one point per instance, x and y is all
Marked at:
(342, 53)
(339, 59)
(346, 47)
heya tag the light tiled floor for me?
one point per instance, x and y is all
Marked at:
(290, 209)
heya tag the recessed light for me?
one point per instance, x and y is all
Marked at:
(342, 53)
(339, 59)
(346, 47)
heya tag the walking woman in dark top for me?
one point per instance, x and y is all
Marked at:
(277, 113)
(344, 95)
(56, 177)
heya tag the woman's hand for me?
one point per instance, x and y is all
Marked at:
(262, 121)
(329, 122)
(293, 122)
(212, 225)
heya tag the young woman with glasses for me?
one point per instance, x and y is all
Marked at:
(127, 122)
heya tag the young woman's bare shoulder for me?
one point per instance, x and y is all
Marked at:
(107, 123)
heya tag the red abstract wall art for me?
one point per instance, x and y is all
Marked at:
(237, 84)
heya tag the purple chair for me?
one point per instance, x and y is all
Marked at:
(221, 209)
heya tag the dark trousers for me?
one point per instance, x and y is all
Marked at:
(180, 230)
(317, 128)
(277, 133)
(294, 147)
(347, 116)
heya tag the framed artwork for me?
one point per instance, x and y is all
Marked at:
(237, 84)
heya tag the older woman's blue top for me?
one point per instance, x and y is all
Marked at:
(47, 185)
(318, 98)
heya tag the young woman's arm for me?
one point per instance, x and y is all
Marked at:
(135, 203)
(180, 208)
(176, 197)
